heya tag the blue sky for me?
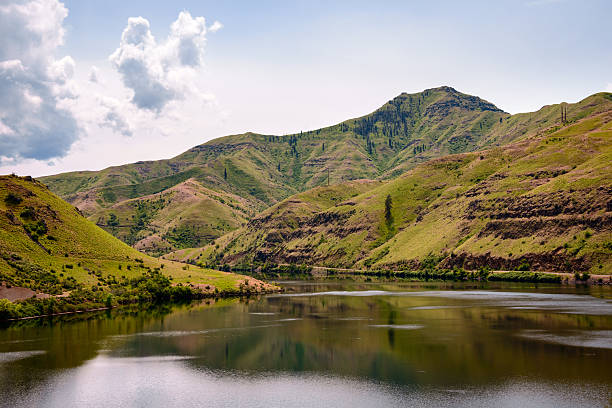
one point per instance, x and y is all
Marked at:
(280, 67)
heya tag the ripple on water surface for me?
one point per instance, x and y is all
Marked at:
(576, 338)
(554, 302)
(19, 355)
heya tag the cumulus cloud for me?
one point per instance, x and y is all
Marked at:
(51, 109)
(158, 73)
(113, 118)
(34, 119)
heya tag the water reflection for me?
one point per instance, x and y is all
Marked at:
(390, 344)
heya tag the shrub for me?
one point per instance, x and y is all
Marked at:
(524, 267)
(525, 277)
(12, 199)
(8, 310)
(27, 213)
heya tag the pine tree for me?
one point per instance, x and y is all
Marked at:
(388, 208)
(225, 173)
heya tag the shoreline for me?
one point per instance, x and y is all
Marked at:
(61, 314)
(100, 309)
(203, 296)
(318, 272)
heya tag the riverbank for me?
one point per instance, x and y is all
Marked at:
(151, 288)
(204, 296)
(457, 274)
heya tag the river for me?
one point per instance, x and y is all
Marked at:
(326, 344)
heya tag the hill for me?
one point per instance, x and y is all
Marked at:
(186, 215)
(232, 178)
(543, 202)
(48, 246)
(237, 176)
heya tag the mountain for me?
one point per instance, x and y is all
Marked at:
(543, 202)
(230, 179)
(47, 246)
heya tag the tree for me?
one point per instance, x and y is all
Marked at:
(563, 113)
(225, 173)
(113, 221)
(388, 208)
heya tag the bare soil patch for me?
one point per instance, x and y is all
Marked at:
(14, 293)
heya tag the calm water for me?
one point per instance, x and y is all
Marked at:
(326, 345)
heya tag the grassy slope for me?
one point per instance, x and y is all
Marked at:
(274, 220)
(263, 169)
(184, 216)
(72, 246)
(544, 201)
(266, 169)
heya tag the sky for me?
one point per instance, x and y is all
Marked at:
(87, 84)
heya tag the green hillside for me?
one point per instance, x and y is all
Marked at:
(46, 245)
(286, 216)
(184, 216)
(240, 175)
(543, 202)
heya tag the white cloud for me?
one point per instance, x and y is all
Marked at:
(216, 26)
(158, 73)
(61, 71)
(5, 130)
(147, 101)
(113, 118)
(31, 29)
(609, 87)
(94, 73)
(36, 122)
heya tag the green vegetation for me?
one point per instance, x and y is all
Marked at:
(153, 287)
(538, 180)
(388, 214)
(49, 250)
(534, 277)
(539, 204)
(427, 272)
(244, 174)
(187, 215)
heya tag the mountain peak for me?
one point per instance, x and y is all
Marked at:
(440, 100)
(445, 97)
(443, 88)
